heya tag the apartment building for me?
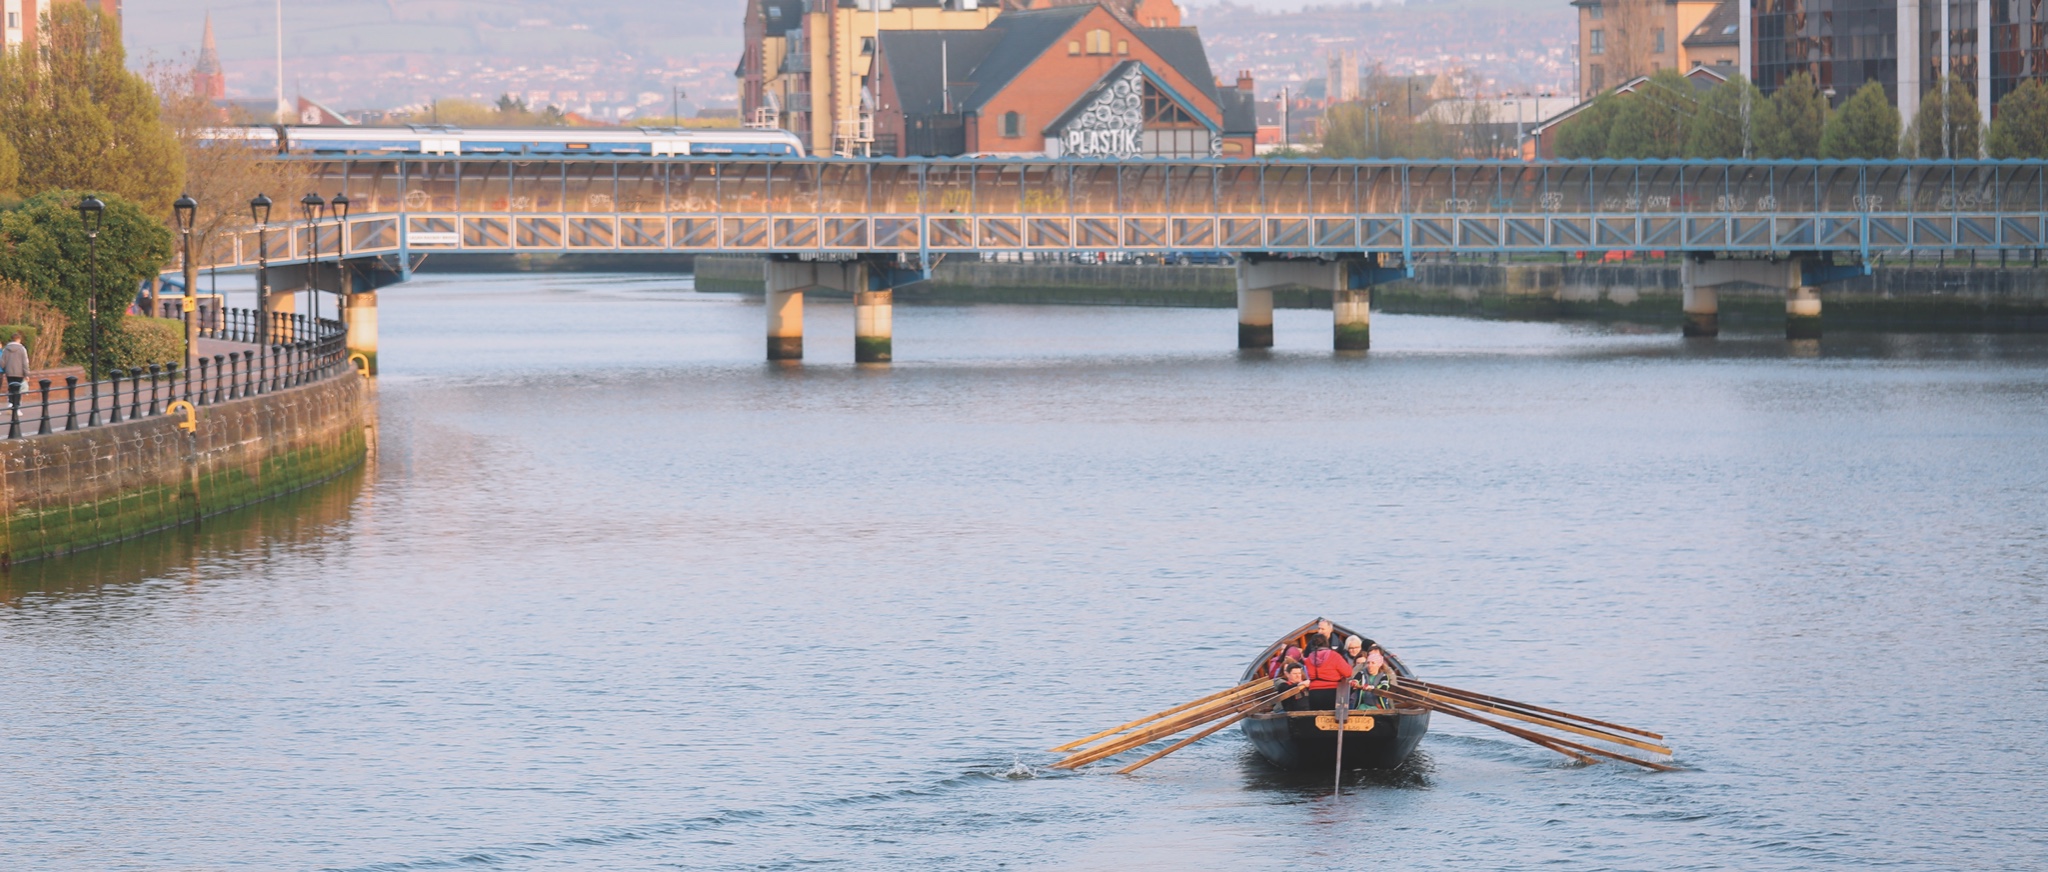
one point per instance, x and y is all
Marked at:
(1622, 39)
(22, 17)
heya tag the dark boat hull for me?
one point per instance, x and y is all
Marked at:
(1291, 740)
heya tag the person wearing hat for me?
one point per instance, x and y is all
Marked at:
(1371, 674)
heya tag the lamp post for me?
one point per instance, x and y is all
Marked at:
(90, 210)
(259, 214)
(312, 207)
(187, 210)
(339, 209)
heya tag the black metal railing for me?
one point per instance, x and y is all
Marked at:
(280, 350)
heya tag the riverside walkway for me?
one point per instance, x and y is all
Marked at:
(238, 356)
(867, 226)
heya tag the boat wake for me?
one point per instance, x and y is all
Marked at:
(528, 852)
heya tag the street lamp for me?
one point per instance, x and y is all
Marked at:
(90, 211)
(312, 207)
(259, 214)
(187, 210)
(339, 209)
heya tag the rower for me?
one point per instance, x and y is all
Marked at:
(1371, 674)
(1327, 671)
(1294, 676)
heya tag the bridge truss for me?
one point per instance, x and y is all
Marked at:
(836, 208)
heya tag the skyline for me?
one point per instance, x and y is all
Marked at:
(618, 62)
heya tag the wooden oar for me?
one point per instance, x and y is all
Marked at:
(1204, 734)
(1153, 717)
(1151, 734)
(1532, 736)
(1537, 709)
(1160, 731)
(1341, 715)
(1551, 723)
(1181, 721)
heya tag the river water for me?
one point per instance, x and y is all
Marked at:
(617, 595)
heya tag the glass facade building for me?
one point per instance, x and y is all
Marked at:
(2019, 44)
(1841, 43)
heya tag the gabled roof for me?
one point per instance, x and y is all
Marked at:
(913, 60)
(1020, 38)
(1240, 112)
(1721, 27)
(1702, 78)
(1110, 79)
(1181, 48)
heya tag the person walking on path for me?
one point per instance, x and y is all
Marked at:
(14, 361)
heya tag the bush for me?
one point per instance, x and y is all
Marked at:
(44, 249)
(2021, 129)
(151, 340)
(36, 319)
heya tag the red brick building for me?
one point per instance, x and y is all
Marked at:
(1075, 80)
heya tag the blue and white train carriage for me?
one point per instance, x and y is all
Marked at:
(549, 142)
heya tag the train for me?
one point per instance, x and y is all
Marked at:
(542, 142)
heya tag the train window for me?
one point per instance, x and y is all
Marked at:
(575, 145)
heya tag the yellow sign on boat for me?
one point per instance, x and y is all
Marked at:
(1353, 724)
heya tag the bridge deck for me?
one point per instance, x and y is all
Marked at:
(407, 206)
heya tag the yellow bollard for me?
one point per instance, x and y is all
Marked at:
(191, 422)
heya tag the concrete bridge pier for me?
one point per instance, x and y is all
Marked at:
(873, 316)
(1701, 275)
(1254, 315)
(1349, 280)
(1802, 312)
(1351, 312)
(1258, 275)
(362, 326)
(787, 278)
(1702, 302)
(874, 307)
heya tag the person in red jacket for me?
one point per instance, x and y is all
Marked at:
(1327, 671)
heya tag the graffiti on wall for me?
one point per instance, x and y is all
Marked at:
(1110, 127)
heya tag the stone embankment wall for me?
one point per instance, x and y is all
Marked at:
(1960, 298)
(74, 490)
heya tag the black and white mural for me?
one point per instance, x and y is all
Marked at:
(1113, 126)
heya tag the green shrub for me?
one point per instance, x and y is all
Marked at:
(151, 340)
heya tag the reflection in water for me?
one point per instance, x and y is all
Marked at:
(618, 595)
(230, 543)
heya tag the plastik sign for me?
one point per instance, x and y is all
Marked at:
(1088, 143)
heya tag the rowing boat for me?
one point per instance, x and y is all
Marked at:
(1374, 738)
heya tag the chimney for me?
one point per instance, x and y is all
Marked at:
(1244, 81)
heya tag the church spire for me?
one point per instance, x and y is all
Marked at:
(208, 79)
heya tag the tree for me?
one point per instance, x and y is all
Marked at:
(80, 120)
(1791, 127)
(222, 176)
(1948, 124)
(2021, 128)
(1629, 37)
(1866, 127)
(43, 246)
(10, 169)
(1652, 121)
(1719, 130)
(1584, 136)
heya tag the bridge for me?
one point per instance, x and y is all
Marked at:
(865, 227)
